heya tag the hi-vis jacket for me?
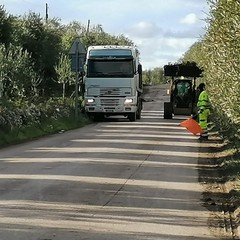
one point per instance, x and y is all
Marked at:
(203, 101)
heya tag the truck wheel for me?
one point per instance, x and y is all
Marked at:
(132, 117)
(138, 116)
(167, 110)
(139, 110)
(98, 117)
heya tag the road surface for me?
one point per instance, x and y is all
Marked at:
(112, 180)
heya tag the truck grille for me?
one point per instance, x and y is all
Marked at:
(109, 102)
(110, 92)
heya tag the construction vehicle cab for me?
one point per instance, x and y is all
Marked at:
(182, 89)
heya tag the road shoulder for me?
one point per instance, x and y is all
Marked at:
(217, 197)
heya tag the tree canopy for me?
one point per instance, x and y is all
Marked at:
(218, 52)
(34, 53)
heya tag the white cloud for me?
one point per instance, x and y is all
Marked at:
(144, 29)
(193, 32)
(190, 19)
(174, 43)
(156, 52)
(163, 30)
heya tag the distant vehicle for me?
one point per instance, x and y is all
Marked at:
(113, 82)
(182, 90)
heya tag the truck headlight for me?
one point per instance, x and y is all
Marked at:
(90, 100)
(128, 100)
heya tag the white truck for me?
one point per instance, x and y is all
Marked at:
(113, 82)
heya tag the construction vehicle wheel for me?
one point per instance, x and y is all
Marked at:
(167, 110)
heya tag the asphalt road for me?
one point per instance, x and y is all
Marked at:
(112, 180)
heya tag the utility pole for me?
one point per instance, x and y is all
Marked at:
(46, 12)
(88, 26)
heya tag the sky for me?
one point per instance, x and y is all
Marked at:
(163, 30)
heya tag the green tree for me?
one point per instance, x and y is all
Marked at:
(157, 76)
(5, 27)
(39, 45)
(65, 74)
(154, 76)
(218, 53)
(15, 72)
(194, 53)
(221, 59)
(95, 35)
(147, 77)
(43, 41)
(35, 82)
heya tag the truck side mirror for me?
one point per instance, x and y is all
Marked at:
(140, 76)
(139, 68)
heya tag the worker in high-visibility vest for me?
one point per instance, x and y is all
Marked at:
(203, 106)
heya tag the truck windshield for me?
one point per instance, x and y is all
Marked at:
(110, 68)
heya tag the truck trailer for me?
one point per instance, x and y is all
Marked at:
(113, 82)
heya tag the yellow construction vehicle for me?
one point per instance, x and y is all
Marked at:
(183, 90)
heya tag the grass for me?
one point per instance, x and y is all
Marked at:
(49, 126)
(229, 172)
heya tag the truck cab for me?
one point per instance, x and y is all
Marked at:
(113, 82)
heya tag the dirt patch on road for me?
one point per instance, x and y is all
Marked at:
(218, 195)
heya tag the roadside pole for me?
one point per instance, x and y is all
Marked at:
(76, 81)
(77, 54)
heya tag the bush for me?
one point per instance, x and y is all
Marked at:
(35, 121)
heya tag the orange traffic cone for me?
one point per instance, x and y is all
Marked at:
(192, 126)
